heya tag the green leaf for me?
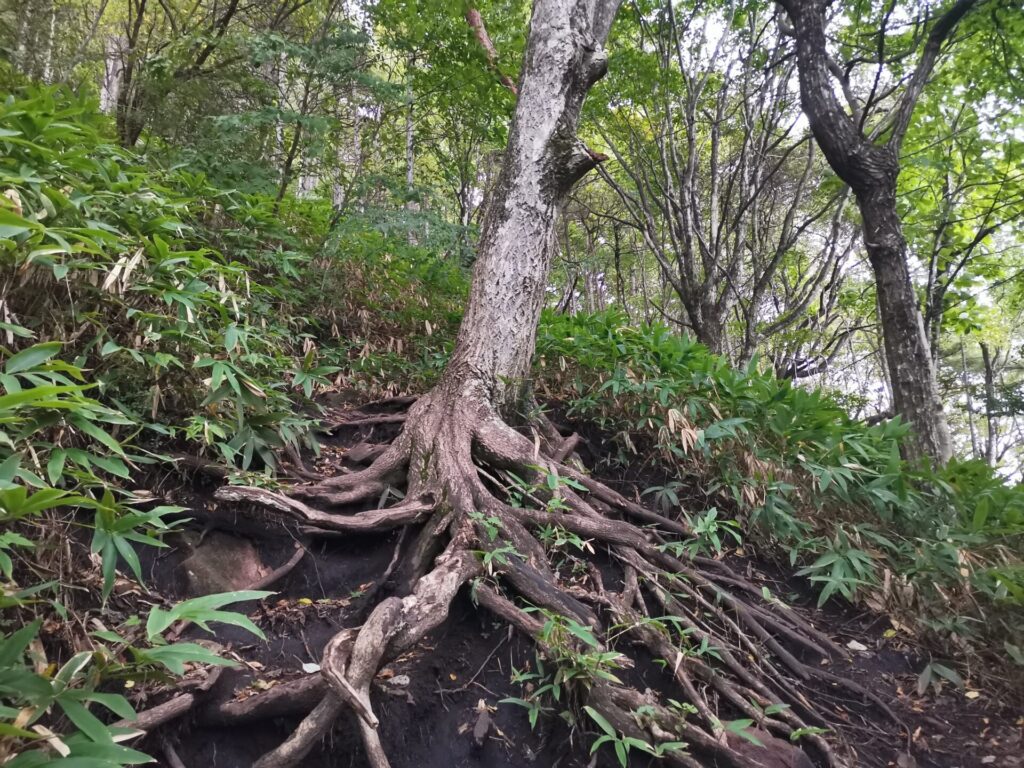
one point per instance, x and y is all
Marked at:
(72, 668)
(204, 609)
(85, 721)
(1014, 652)
(602, 723)
(12, 648)
(620, 752)
(981, 512)
(6, 729)
(130, 556)
(36, 395)
(98, 434)
(114, 702)
(55, 466)
(177, 655)
(740, 728)
(582, 633)
(31, 357)
(12, 225)
(944, 671)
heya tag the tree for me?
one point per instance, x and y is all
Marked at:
(458, 442)
(967, 195)
(717, 177)
(870, 165)
(166, 45)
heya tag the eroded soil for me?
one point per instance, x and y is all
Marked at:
(440, 705)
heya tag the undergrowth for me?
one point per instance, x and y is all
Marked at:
(939, 550)
(143, 306)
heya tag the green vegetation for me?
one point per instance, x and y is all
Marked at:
(940, 550)
(142, 306)
(215, 221)
(194, 313)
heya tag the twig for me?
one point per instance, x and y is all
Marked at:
(471, 680)
(279, 573)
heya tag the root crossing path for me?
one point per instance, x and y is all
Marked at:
(598, 584)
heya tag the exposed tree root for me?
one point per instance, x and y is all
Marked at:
(728, 652)
(171, 755)
(367, 421)
(365, 453)
(295, 697)
(281, 571)
(156, 716)
(298, 467)
(324, 523)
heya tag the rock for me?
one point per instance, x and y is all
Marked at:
(221, 563)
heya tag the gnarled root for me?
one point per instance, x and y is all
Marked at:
(727, 651)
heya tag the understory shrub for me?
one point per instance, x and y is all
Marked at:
(940, 550)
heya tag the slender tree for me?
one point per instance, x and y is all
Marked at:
(867, 158)
(718, 180)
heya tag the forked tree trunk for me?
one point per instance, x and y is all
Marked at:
(564, 58)
(871, 169)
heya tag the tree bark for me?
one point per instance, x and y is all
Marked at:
(128, 108)
(966, 382)
(991, 427)
(410, 146)
(907, 352)
(871, 170)
(564, 58)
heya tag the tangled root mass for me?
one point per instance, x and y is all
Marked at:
(483, 494)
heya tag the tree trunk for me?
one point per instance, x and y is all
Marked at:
(470, 529)
(130, 94)
(966, 382)
(564, 58)
(711, 331)
(410, 146)
(871, 170)
(907, 352)
(20, 38)
(288, 170)
(991, 427)
(47, 66)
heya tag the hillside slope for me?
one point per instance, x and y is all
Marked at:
(156, 326)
